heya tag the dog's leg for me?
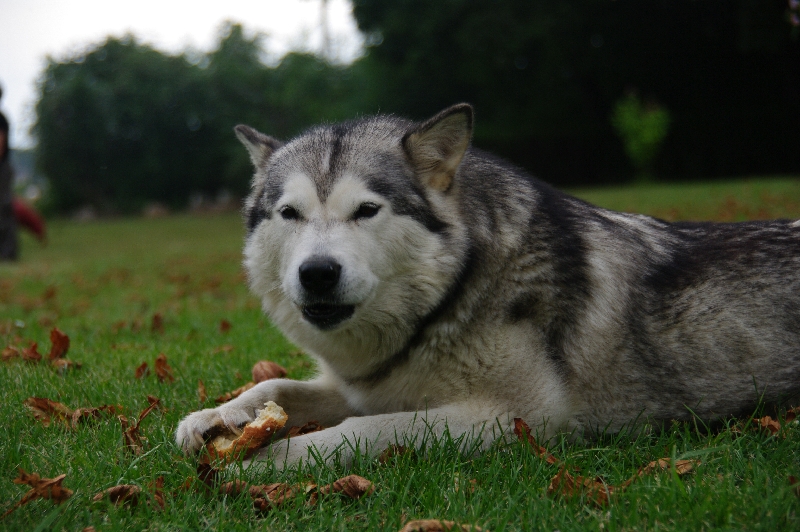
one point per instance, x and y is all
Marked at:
(302, 401)
(372, 434)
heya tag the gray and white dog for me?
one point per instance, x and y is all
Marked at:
(439, 288)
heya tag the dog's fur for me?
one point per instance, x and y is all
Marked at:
(439, 288)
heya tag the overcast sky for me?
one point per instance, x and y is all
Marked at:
(31, 30)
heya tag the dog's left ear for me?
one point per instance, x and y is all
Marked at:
(437, 146)
(260, 146)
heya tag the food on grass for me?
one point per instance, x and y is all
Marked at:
(255, 435)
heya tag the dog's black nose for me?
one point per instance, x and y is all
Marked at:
(319, 275)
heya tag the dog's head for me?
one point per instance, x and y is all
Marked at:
(354, 231)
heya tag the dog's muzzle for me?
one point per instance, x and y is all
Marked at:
(319, 277)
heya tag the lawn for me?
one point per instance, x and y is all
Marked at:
(126, 291)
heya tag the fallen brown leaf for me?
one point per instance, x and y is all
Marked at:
(265, 370)
(224, 326)
(142, 371)
(60, 344)
(767, 425)
(437, 525)
(665, 464)
(121, 494)
(10, 353)
(523, 432)
(271, 495)
(353, 486)
(794, 483)
(62, 365)
(393, 451)
(31, 353)
(130, 432)
(157, 323)
(49, 293)
(163, 371)
(85, 414)
(792, 414)
(201, 391)
(224, 398)
(45, 410)
(41, 488)
(158, 492)
(568, 486)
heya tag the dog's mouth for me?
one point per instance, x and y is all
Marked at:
(327, 316)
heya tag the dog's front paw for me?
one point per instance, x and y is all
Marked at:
(199, 427)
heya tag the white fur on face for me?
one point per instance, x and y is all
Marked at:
(392, 269)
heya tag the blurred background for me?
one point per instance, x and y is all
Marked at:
(125, 108)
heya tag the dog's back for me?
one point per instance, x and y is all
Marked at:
(643, 317)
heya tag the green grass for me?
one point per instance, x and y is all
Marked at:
(102, 282)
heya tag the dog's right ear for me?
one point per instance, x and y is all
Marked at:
(437, 146)
(260, 146)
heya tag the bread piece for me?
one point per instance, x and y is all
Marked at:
(255, 435)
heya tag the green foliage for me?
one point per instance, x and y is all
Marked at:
(643, 127)
(123, 124)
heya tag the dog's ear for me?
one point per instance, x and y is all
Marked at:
(437, 146)
(260, 146)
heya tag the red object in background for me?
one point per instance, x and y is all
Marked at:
(28, 218)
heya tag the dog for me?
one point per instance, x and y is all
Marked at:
(441, 291)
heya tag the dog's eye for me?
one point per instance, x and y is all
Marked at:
(289, 213)
(366, 210)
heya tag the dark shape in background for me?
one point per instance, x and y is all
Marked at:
(123, 124)
(544, 77)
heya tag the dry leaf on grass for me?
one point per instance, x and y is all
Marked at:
(201, 391)
(394, 451)
(523, 432)
(234, 394)
(792, 414)
(264, 370)
(224, 326)
(90, 413)
(767, 425)
(142, 371)
(163, 371)
(271, 495)
(60, 344)
(599, 492)
(794, 483)
(11, 353)
(31, 353)
(568, 486)
(438, 525)
(45, 410)
(353, 486)
(130, 432)
(268, 496)
(41, 488)
(665, 464)
(121, 494)
(157, 323)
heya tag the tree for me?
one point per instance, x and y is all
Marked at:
(123, 124)
(545, 76)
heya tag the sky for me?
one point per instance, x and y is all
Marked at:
(32, 30)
